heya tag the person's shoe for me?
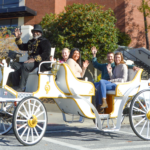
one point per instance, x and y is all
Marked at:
(101, 111)
(18, 89)
(104, 103)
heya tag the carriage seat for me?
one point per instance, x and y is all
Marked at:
(69, 84)
(32, 81)
(133, 77)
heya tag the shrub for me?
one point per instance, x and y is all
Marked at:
(82, 26)
(123, 38)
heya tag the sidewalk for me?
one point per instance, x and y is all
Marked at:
(55, 120)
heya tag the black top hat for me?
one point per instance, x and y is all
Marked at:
(37, 27)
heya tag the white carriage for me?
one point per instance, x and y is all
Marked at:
(26, 113)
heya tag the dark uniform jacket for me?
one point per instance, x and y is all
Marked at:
(38, 49)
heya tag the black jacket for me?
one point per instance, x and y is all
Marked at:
(38, 49)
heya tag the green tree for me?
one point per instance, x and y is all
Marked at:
(82, 26)
(123, 38)
(145, 9)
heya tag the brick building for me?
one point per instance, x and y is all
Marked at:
(30, 12)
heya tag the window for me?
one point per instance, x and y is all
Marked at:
(9, 23)
(8, 3)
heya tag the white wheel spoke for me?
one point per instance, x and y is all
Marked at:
(137, 109)
(36, 131)
(32, 134)
(22, 114)
(33, 107)
(40, 114)
(138, 116)
(25, 110)
(24, 131)
(21, 126)
(39, 127)
(142, 105)
(145, 102)
(147, 129)
(37, 109)
(21, 120)
(28, 134)
(29, 107)
(143, 127)
(41, 121)
(139, 122)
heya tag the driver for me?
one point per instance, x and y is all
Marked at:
(38, 50)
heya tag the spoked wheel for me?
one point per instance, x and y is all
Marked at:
(30, 121)
(140, 114)
(6, 115)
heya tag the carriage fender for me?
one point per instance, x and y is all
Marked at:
(123, 102)
(98, 120)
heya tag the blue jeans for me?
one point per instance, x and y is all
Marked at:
(102, 87)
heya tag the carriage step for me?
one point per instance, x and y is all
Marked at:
(81, 119)
(103, 116)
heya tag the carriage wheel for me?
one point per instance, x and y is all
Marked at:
(140, 114)
(30, 121)
(6, 114)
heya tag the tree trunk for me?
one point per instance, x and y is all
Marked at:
(145, 23)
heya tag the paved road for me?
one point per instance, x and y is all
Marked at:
(77, 136)
(80, 138)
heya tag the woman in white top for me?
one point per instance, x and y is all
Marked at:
(74, 62)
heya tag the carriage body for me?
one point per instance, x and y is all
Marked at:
(72, 96)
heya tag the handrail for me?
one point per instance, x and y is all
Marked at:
(131, 55)
(134, 57)
(145, 53)
(44, 62)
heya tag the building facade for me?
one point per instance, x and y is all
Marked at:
(26, 13)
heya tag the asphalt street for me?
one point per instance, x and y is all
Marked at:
(78, 136)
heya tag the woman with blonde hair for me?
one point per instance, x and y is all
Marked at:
(65, 55)
(118, 75)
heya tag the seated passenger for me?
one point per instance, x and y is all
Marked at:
(118, 75)
(74, 62)
(65, 55)
(103, 67)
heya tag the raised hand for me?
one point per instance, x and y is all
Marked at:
(17, 33)
(135, 68)
(94, 51)
(109, 69)
(85, 64)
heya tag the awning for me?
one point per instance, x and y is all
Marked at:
(17, 12)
